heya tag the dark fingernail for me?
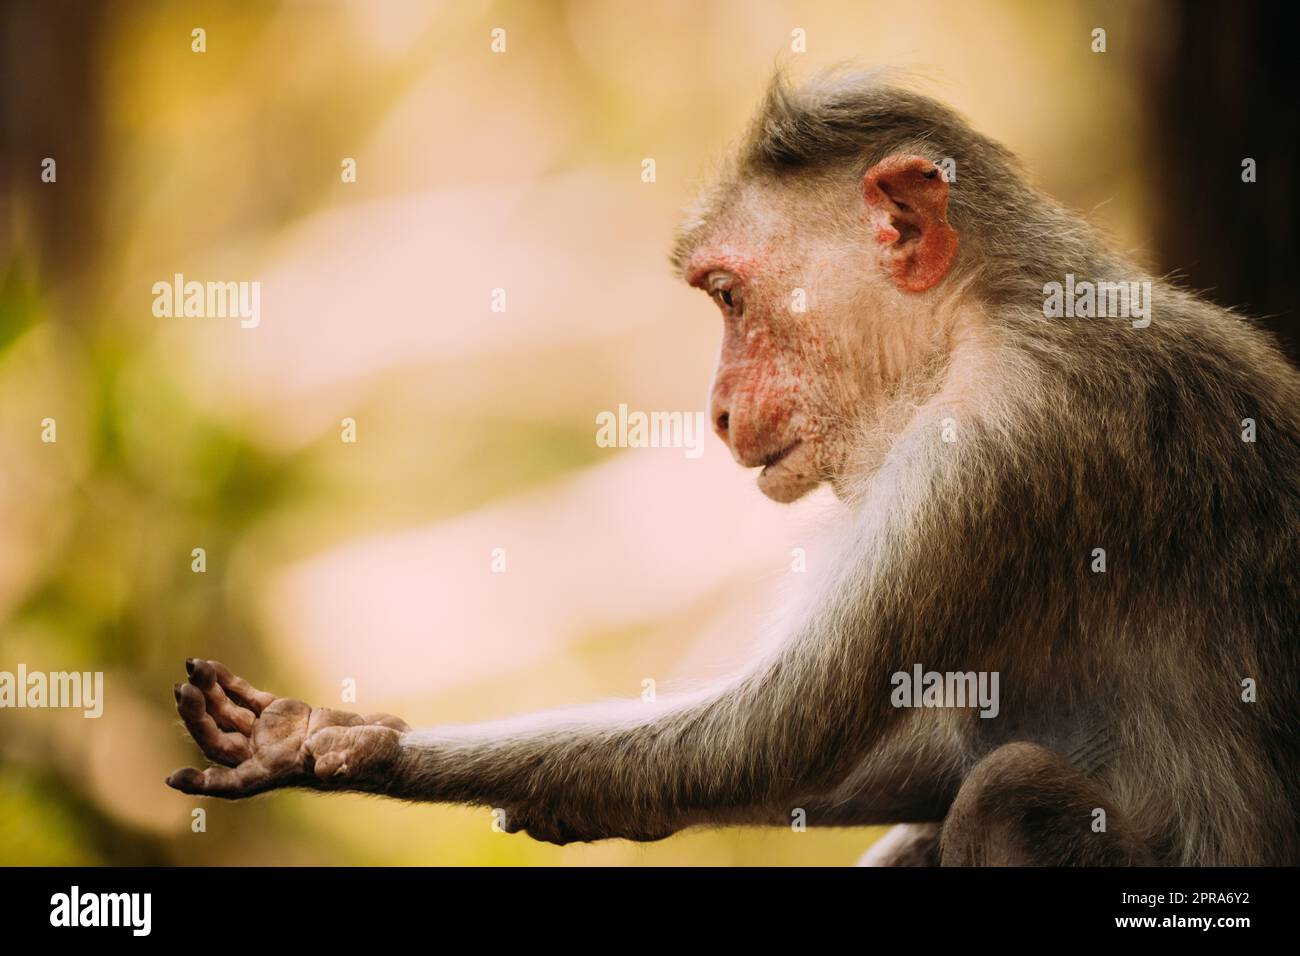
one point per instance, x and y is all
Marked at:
(189, 665)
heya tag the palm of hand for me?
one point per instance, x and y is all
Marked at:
(260, 742)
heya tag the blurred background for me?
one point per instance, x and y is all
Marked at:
(369, 564)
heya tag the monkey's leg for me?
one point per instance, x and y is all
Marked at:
(1025, 805)
(908, 844)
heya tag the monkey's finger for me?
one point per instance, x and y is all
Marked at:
(331, 765)
(351, 756)
(329, 750)
(222, 747)
(227, 714)
(232, 783)
(241, 690)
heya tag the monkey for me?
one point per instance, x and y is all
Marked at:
(1102, 510)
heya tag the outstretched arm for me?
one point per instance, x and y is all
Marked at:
(744, 753)
(790, 731)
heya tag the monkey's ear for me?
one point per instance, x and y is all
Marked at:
(907, 209)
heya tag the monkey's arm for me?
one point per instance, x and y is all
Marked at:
(793, 730)
(789, 734)
(626, 771)
(747, 753)
(629, 769)
(613, 771)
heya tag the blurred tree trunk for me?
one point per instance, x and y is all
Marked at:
(50, 72)
(1225, 90)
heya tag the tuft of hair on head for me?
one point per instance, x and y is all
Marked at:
(837, 117)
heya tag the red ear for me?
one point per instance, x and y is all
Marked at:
(907, 207)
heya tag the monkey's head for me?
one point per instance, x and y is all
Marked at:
(829, 276)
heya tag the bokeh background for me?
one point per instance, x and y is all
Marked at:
(370, 562)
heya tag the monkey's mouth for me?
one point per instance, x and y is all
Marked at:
(778, 456)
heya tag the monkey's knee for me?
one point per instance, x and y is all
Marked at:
(1025, 805)
(908, 844)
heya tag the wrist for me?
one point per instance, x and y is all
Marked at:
(400, 761)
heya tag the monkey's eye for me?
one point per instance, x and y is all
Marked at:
(728, 299)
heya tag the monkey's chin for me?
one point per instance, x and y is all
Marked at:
(781, 484)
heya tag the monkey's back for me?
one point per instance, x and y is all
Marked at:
(1179, 448)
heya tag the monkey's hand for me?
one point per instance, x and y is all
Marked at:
(262, 742)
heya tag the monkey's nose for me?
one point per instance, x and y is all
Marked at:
(720, 424)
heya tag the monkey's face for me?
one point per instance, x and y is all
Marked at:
(791, 385)
(826, 315)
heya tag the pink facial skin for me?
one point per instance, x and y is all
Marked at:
(761, 406)
(791, 387)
